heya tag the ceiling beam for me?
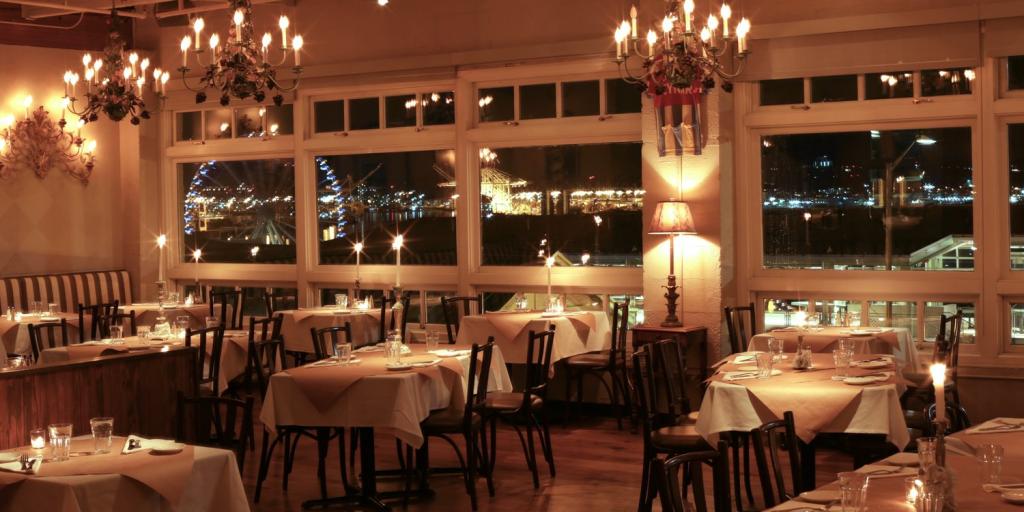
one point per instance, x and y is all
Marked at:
(67, 8)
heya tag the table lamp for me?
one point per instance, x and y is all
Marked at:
(672, 218)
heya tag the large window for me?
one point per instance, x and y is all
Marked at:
(239, 211)
(373, 197)
(1015, 146)
(899, 200)
(586, 200)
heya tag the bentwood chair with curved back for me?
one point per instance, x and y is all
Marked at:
(218, 422)
(47, 335)
(230, 308)
(455, 308)
(672, 486)
(99, 320)
(266, 352)
(126, 320)
(611, 362)
(526, 407)
(741, 321)
(392, 318)
(770, 441)
(276, 301)
(209, 341)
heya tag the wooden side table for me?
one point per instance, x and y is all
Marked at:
(694, 338)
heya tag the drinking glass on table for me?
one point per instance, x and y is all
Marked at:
(775, 348)
(52, 309)
(926, 451)
(181, 323)
(143, 331)
(393, 347)
(212, 321)
(841, 356)
(60, 441)
(102, 430)
(991, 457)
(343, 351)
(764, 364)
(116, 334)
(853, 491)
(341, 300)
(432, 339)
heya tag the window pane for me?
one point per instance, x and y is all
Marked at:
(364, 114)
(218, 124)
(585, 199)
(942, 82)
(327, 295)
(230, 208)
(833, 88)
(933, 313)
(435, 313)
(837, 312)
(536, 101)
(1015, 72)
(779, 312)
(879, 86)
(784, 91)
(1016, 160)
(280, 120)
(496, 104)
(621, 97)
(329, 116)
(400, 111)
(367, 197)
(824, 199)
(581, 98)
(439, 108)
(249, 122)
(1017, 324)
(189, 126)
(893, 314)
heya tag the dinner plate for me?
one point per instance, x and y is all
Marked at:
(6, 457)
(421, 360)
(865, 380)
(551, 315)
(821, 496)
(860, 332)
(398, 366)
(1015, 497)
(874, 364)
(165, 447)
(49, 319)
(904, 459)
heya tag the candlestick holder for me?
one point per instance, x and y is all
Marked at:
(937, 478)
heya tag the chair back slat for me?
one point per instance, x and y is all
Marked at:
(279, 301)
(947, 342)
(209, 341)
(620, 328)
(741, 323)
(770, 441)
(450, 307)
(100, 316)
(230, 307)
(669, 378)
(48, 335)
(216, 422)
(478, 380)
(392, 318)
(671, 485)
(538, 364)
(266, 351)
(324, 340)
(126, 320)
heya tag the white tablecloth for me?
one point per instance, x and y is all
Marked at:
(568, 341)
(215, 485)
(902, 347)
(15, 334)
(295, 325)
(147, 312)
(396, 402)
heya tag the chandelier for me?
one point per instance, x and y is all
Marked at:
(113, 82)
(682, 58)
(241, 67)
(37, 143)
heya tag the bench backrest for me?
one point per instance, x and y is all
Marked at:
(68, 290)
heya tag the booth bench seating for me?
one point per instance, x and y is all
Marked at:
(67, 290)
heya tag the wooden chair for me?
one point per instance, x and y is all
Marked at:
(526, 407)
(210, 342)
(611, 362)
(947, 351)
(122, 318)
(664, 430)
(450, 306)
(266, 352)
(229, 318)
(955, 415)
(770, 440)
(468, 423)
(389, 320)
(217, 422)
(99, 320)
(279, 301)
(47, 335)
(672, 488)
(325, 339)
(742, 324)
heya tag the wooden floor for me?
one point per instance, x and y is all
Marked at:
(598, 469)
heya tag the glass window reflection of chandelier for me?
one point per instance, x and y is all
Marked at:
(240, 67)
(113, 83)
(682, 57)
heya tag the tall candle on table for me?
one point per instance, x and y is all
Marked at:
(938, 372)
(196, 254)
(358, 247)
(161, 241)
(397, 246)
(549, 262)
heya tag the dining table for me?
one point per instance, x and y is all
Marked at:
(736, 400)
(195, 478)
(869, 340)
(146, 313)
(887, 489)
(14, 333)
(296, 325)
(367, 395)
(576, 332)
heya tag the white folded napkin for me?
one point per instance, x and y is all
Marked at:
(444, 352)
(380, 348)
(18, 467)
(998, 425)
(734, 376)
(138, 444)
(744, 358)
(886, 471)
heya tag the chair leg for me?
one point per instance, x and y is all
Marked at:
(266, 450)
(532, 457)
(341, 459)
(615, 400)
(471, 459)
(735, 438)
(485, 464)
(493, 459)
(568, 394)
(321, 460)
(353, 446)
(289, 456)
(545, 441)
(646, 499)
(746, 470)
(579, 392)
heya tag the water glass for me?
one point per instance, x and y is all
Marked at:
(432, 338)
(17, 362)
(764, 364)
(102, 430)
(393, 348)
(343, 351)
(991, 457)
(841, 357)
(775, 348)
(143, 331)
(341, 300)
(926, 451)
(172, 298)
(60, 441)
(116, 333)
(181, 324)
(853, 491)
(212, 321)
(52, 309)
(930, 499)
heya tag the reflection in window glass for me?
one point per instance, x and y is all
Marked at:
(218, 124)
(893, 314)
(280, 120)
(240, 211)
(189, 126)
(400, 111)
(536, 101)
(824, 200)
(581, 98)
(621, 97)
(879, 86)
(254, 299)
(1015, 147)
(1017, 323)
(505, 301)
(249, 121)
(435, 314)
(370, 197)
(837, 312)
(944, 82)
(328, 295)
(785, 91)
(329, 116)
(833, 88)
(933, 313)
(1015, 72)
(585, 199)
(439, 108)
(780, 312)
(364, 114)
(496, 104)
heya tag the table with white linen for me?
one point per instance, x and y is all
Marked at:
(146, 313)
(870, 340)
(213, 484)
(575, 332)
(295, 325)
(14, 334)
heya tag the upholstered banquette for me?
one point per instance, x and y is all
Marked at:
(67, 290)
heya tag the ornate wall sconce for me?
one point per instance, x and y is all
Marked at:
(40, 144)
